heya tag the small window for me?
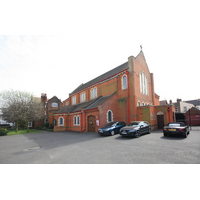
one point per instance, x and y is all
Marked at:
(138, 104)
(54, 122)
(54, 104)
(30, 124)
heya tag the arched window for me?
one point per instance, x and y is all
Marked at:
(61, 121)
(143, 83)
(124, 82)
(54, 104)
(92, 93)
(146, 85)
(141, 88)
(54, 122)
(74, 100)
(138, 104)
(74, 120)
(95, 92)
(82, 96)
(78, 120)
(109, 116)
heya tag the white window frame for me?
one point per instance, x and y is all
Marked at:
(76, 120)
(59, 124)
(73, 100)
(30, 124)
(93, 93)
(54, 105)
(82, 97)
(144, 89)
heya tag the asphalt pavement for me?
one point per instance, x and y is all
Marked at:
(91, 148)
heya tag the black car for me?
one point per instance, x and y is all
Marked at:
(135, 129)
(111, 128)
(176, 128)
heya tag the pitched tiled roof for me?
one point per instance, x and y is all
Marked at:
(98, 102)
(102, 77)
(76, 107)
(85, 105)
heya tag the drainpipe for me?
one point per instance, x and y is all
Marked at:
(168, 109)
(128, 101)
(82, 121)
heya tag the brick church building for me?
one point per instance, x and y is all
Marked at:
(125, 93)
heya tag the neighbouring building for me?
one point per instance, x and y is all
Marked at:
(192, 117)
(182, 106)
(50, 107)
(125, 93)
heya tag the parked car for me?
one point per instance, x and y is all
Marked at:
(111, 128)
(135, 129)
(176, 128)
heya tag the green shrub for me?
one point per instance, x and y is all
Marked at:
(3, 131)
(51, 126)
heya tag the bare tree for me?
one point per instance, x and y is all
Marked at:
(20, 107)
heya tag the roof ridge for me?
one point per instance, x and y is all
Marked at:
(101, 77)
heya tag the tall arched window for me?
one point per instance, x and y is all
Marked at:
(124, 82)
(74, 120)
(77, 120)
(95, 92)
(141, 88)
(143, 83)
(109, 116)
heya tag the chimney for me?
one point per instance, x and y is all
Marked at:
(179, 100)
(43, 97)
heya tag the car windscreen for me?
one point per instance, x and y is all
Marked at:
(174, 125)
(133, 124)
(110, 124)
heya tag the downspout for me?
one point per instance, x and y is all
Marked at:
(82, 122)
(128, 101)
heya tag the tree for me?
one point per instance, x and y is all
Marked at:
(20, 107)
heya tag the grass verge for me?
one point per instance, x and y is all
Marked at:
(12, 132)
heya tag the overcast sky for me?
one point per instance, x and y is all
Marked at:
(52, 47)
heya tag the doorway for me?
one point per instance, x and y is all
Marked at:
(91, 123)
(160, 120)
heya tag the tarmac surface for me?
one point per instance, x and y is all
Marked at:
(91, 148)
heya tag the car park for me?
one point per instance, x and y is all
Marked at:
(136, 128)
(111, 128)
(176, 128)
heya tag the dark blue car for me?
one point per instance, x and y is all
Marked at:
(111, 128)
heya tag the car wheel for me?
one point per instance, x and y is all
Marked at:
(149, 131)
(185, 135)
(112, 133)
(137, 134)
(165, 135)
